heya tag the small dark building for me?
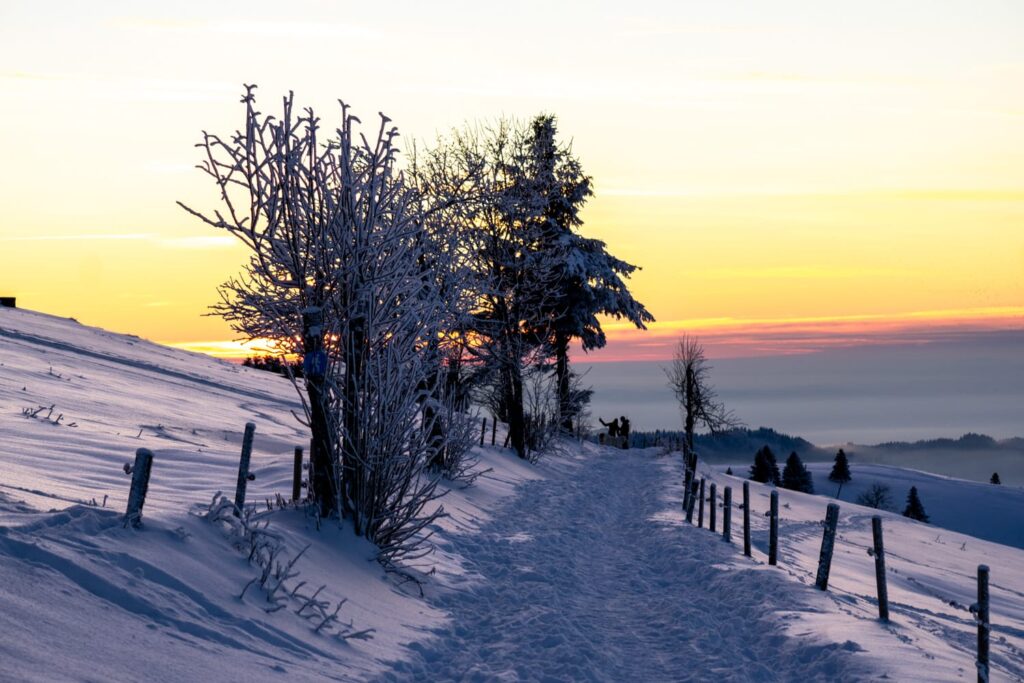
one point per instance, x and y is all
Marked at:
(8, 302)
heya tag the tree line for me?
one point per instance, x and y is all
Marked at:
(410, 286)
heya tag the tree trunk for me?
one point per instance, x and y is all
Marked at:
(352, 454)
(322, 487)
(565, 407)
(516, 416)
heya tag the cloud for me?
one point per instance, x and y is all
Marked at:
(738, 338)
(228, 350)
(298, 30)
(203, 242)
(80, 237)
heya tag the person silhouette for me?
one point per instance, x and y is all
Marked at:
(624, 428)
(613, 427)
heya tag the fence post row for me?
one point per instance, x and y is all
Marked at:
(727, 514)
(983, 623)
(494, 428)
(828, 541)
(140, 485)
(746, 518)
(700, 508)
(879, 552)
(243, 467)
(773, 529)
(297, 475)
(712, 504)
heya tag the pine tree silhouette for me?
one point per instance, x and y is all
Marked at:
(795, 475)
(765, 469)
(840, 471)
(914, 509)
(995, 479)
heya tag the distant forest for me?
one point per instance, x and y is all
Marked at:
(739, 441)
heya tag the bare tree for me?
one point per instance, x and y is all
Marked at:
(346, 268)
(877, 496)
(688, 377)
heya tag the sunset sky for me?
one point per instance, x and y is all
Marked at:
(790, 175)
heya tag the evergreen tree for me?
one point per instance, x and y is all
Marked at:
(765, 468)
(840, 473)
(995, 479)
(728, 470)
(587, 280)
(914, 509)
(795, 476)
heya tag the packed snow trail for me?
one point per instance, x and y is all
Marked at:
(579, 580)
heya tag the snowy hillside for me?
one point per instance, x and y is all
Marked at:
(932, 570)
(580, 568)
(167, 596)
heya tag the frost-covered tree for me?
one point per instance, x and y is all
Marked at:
(840, 473)
(914, 509)
(587, 280)
(503, 333)
(795, 476)
(343, 271)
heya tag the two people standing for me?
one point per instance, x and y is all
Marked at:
(618, 431)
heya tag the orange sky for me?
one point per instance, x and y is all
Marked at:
(855, 169)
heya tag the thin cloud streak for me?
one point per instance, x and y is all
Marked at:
(730, 338)
(84, 237)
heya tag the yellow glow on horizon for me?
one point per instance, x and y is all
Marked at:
(764, 163)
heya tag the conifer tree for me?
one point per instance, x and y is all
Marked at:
(840, 473)
(914, 509)
(995, 479)
(588, 281)
(795, 476)
(765, 468)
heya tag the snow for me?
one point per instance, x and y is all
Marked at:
(580, 568)
(583, 577)
(931, 570)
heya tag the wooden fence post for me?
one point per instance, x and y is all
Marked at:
(483, 431)
(983, 623)
(746, 518)
(243, 467)
(494, 429)
(879, 552)
(700, 505)
(712, 505)
(687, 480)
(773, 529)
(828, 542)
(297, 475)
(693, 499)
(140, 485)
(727, 514)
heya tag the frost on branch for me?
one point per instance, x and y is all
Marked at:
(350, 266)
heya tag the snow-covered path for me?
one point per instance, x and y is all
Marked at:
(585, 578)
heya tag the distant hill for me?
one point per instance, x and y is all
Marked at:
(969, 441)
(734, 443)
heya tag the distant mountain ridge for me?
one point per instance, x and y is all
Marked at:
(744, 442)
(970, 440)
